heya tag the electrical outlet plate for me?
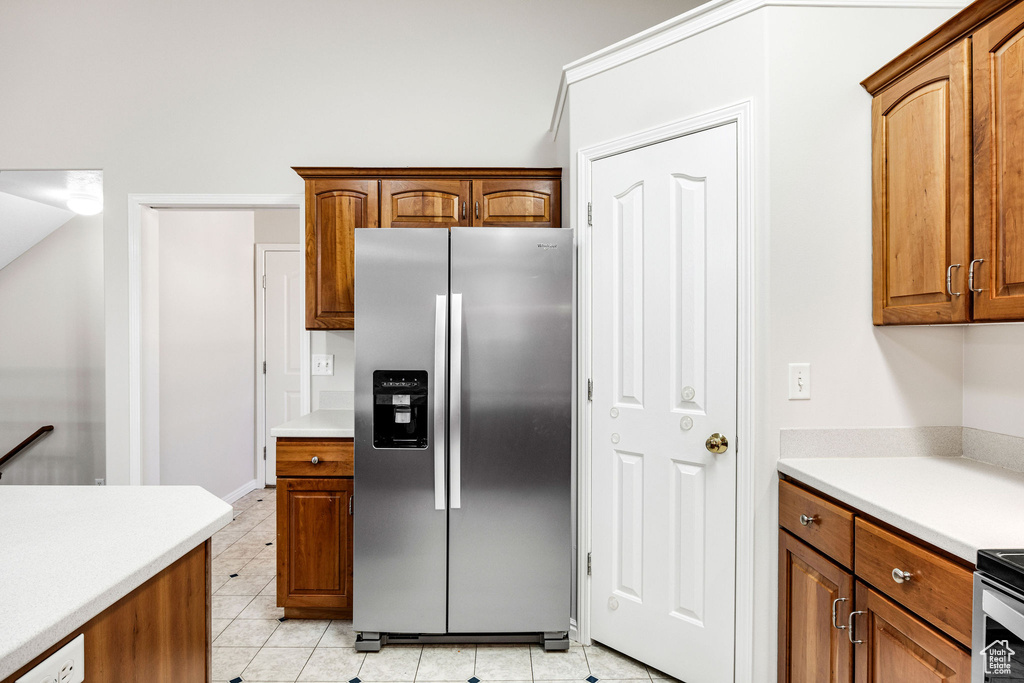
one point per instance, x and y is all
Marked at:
(66, 665)
(799, 381)
(323, 363)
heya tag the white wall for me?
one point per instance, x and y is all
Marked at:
(51, 356)
(994, 378)
(223, 97)
(278, 226)
(801, 69)
(207, 349)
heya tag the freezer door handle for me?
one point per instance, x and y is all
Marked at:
(455, 438)
(440, 329)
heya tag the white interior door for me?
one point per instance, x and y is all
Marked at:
(283, 324)
(664, 371)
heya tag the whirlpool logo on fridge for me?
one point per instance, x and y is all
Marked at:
(546, 246)
(997, 658)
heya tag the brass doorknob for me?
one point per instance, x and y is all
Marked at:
(717, 443)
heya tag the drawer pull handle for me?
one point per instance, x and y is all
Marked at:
(900, 576)
(834, 624)
(807, 521)
(849, 626)
(315, 460)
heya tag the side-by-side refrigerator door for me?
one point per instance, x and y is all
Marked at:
(509, 430)
(400, 519)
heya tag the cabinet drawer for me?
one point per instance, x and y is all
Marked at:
(295, 457)
(938, 589)
(824, 525)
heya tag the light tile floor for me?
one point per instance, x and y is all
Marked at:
(251, 642)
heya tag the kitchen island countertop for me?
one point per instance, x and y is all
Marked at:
(69, 552)
(319, 424)
(957, 504)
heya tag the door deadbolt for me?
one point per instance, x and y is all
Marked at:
(717, 443)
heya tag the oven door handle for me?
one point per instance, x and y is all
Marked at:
(1008, 612)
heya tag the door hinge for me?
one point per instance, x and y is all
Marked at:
(264, 452)
(590, 390)
(264, 367)
(350, 499)
(264, 282)
(588, 564)
(590, 213)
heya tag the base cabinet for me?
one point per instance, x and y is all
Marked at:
(837, 626)
(896, 647)
(314, 529)
(813, 594)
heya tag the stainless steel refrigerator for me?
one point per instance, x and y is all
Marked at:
(463, 381)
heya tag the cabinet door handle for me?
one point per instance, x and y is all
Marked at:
(807, 521)
(900, 576)
(849, 627)
(476, 207)
(834, 624)
(463, 210)
(315, 460)
(949, 279)
(970, 276)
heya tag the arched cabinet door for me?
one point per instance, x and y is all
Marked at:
(339, 207)
(517, 203)
(921, 168)
(998, 51)
(424, 203)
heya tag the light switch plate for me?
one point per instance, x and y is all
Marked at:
(799, 381)
(323, 363)
(66, 665)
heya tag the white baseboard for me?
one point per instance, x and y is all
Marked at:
(574, 632)
(241, 491)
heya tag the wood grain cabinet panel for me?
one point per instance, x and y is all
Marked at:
(314, 530)
(335, 209)
(938, 589)
(921, 146)
(811, 648)
(432, 203)
(158, 633)
(948, 172)
(897, 647)
(826, 526)
(341, 200)
(998, 70)
(517, 203)
(914, 631)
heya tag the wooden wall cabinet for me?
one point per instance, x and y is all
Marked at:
(910, 632)
(948, 173)
(341, 200)
(314, 527)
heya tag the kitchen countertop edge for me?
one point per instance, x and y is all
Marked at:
(34, 644)
(319, 424)
(916, 505)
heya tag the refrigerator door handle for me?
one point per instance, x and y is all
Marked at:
(440, 329)
(455, 435)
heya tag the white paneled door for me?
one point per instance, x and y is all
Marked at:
(664, 371)
(283, 323)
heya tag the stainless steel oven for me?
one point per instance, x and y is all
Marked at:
(997, 654)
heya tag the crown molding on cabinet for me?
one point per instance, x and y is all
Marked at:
(698, 20)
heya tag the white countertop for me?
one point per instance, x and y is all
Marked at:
(69, 552)
(957, 504)
(320, 424)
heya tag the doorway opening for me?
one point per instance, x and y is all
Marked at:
(199, 391)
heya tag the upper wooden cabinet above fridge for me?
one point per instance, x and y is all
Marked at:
(340, 200)
(948, 173)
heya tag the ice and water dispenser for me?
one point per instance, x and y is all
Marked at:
(399, 409)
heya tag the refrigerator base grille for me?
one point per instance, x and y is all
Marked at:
(372, 642)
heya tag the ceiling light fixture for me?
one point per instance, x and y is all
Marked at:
(85, 205)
